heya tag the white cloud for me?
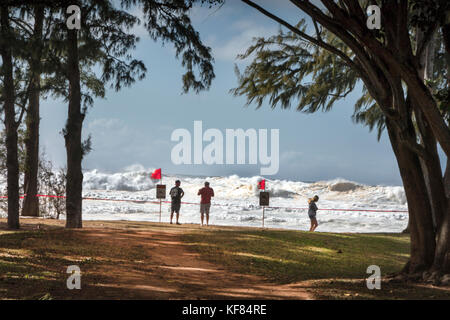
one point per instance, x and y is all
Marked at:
(106, 123)
(201, 14)
(116, 144)
(244, 32)
(290, 156)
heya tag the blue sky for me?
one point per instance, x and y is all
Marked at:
(134, 126)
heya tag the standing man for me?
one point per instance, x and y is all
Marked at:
(176, 193)
(205, 204)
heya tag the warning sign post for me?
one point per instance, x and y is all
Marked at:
(263, 202)
(160, 194)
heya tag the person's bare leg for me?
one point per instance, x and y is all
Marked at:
(178, 216)
(201, 214)
(311, 227)
(315, 225)
(171, 217)
(207, 219)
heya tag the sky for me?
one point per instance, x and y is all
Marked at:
(132, 128)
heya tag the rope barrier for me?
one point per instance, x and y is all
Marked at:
(217, 205)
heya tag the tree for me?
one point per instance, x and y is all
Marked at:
(24, 29)
(34, 56)
(3, 162)
(388, 63)
(72, 135)
(11, 124)
(103, 41)
(74, 53)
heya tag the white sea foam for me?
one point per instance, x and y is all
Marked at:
(236, 201)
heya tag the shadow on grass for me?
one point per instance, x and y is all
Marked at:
(33, 264)
(289, 256)
(350, 289)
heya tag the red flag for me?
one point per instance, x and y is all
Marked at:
(156, 175)
(262, 184)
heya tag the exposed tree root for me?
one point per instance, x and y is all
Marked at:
(436, 277)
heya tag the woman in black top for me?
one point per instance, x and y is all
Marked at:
(312, 212)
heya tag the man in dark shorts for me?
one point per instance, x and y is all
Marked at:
(205, 202)
(176, 193)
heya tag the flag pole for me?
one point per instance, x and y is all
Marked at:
(263, 206)
(263, 217)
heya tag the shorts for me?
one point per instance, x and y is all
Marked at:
(175, 207)
(312, 216)
(204, 208)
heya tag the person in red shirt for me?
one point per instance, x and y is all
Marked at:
(205, 204)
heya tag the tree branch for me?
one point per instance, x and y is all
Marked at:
(303, 35)
(23, 25)
(416, 148)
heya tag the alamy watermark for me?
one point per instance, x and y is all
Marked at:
(74, 280)
(74, 20)
(374, 281)
(374, 19)
(191, 151)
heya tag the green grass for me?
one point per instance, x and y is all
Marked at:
(289, 256)
(329, 266)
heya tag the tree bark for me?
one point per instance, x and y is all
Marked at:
(12, 162)
(447, 178)
(440, 207)
(433, 178)
(441, 261)
(72, 135)
(446, 32)
(31, 202)
(420, 212)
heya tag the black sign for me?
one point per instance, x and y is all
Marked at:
(263, 198)
(160, 191)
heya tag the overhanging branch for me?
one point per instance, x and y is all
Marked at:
(303, 35)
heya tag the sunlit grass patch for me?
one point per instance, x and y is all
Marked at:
(287, 256)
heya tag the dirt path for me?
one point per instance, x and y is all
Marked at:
(171, 271)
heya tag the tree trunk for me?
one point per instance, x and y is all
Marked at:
(12, 162)
(432, 170)
(72, 137)
(437, 185)
(31, 202)
(431, 166)
(440, 207)
(442, 255)
(425, 101)
(420, 214)
(447, 178)
(446, 32)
